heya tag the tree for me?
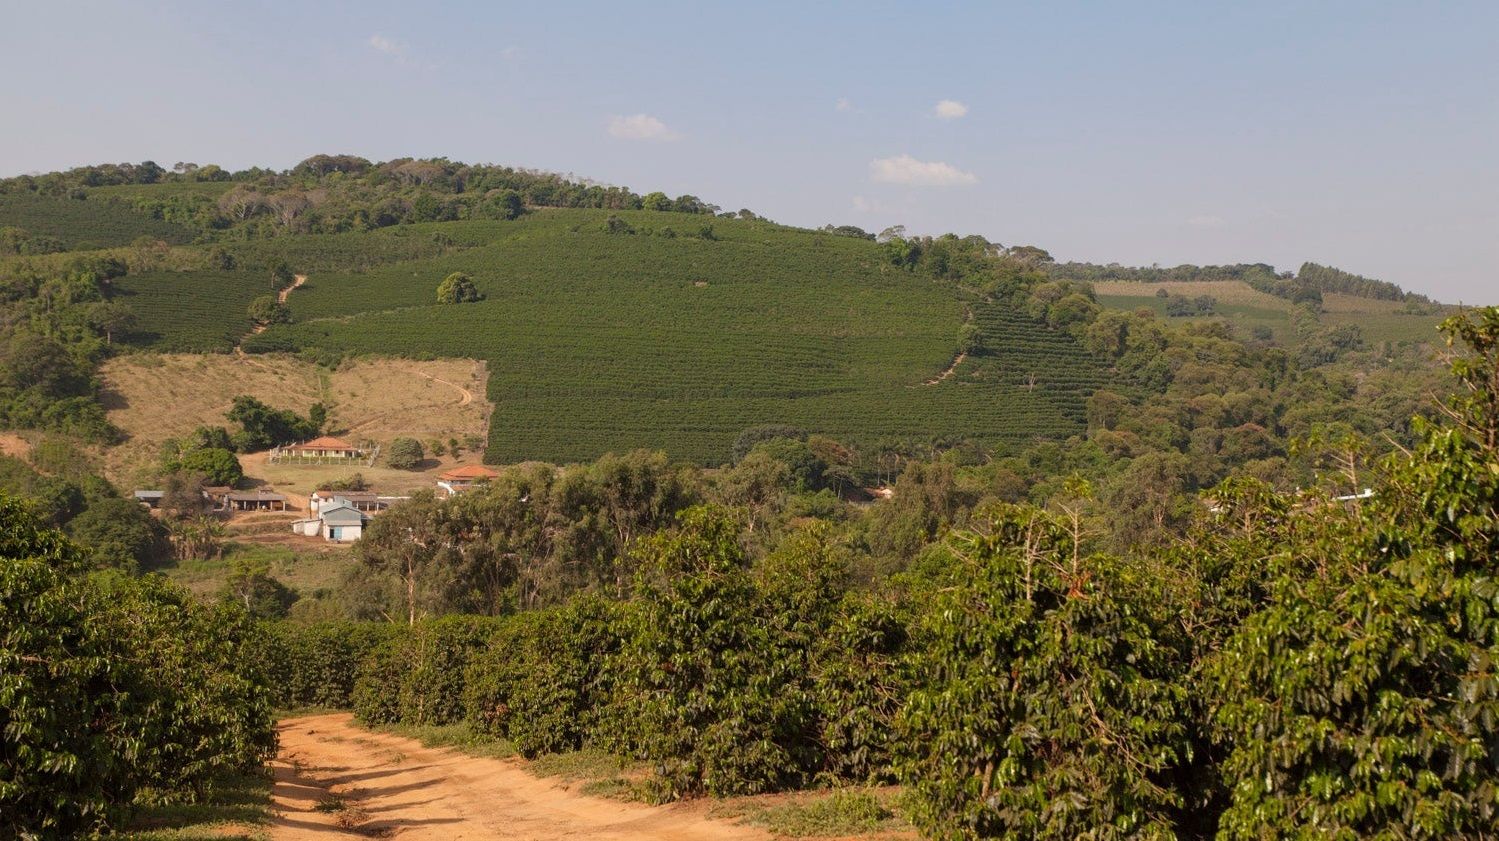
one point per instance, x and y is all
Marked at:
(405, 454)
(252, 586)
(503, 204)
(109, 318)
(264, 427)
(266, 310)
(457, 288)
(655, 201)
(970, 338)
(282, 277)
(119, 533)
(217, 466)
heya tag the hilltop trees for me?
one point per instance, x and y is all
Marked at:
(264, 427)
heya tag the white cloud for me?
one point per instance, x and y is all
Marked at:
(843, 104)
(905, 169)
(1207, 221)
(640, 127)
(950, 109)
(387, 46)
(864, 205)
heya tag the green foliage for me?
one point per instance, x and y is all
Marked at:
(112, 691)
(695, 692)
(266, 310)
(118, 534)
(263, 427)
(458, 288)
(217, 465)
(545, 676)
(82, 225)
(1362, 700)
(197, 311)
(630, 331)
(315, 665)
(418, 677)
(1050, 709)
(405, 454)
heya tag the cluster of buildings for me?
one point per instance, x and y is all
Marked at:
(336, 516)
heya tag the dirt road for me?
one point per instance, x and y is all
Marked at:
(334, 779)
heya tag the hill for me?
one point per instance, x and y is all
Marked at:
(677, 335)
(610, 321)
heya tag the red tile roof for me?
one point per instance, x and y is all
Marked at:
(326, 443)
(470, 471)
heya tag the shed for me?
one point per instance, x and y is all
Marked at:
(150, 499)
(256, 501)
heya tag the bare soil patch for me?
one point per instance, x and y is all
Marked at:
(153, 397)
(333, 780)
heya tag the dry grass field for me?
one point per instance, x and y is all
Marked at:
(154, 397)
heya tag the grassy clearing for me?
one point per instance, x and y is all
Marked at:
(376, 399)
(307, 570)
(237, 808)
(827, 814)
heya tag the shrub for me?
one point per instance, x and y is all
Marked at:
(695, 692)
(218, 466)
(1051, 709)
(405, 454)
(545, 676)
(458, 288)
(113, 690)
(418, 676)
(314, 665)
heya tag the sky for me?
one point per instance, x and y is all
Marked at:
(1363, 135)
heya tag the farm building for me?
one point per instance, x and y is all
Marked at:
(336, 522)
(218, 495)
(150, 499)
(324, 447)
(460, 479)
(255, 501)
(367, 501)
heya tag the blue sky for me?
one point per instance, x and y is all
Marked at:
(1359, 134)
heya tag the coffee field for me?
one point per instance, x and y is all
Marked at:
(677, 340)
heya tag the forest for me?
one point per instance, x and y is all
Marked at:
(801, 509)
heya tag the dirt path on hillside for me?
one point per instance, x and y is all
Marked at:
(950, 369)
(334, 779)
(280, 299)
(468, 396)
(297, 280)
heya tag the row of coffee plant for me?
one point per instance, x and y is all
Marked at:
(115, 692)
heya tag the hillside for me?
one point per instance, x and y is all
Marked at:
(610, 321)
(660, 338)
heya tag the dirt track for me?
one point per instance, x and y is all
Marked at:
(388, 787)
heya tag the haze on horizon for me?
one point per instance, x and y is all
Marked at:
(1359, 135)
